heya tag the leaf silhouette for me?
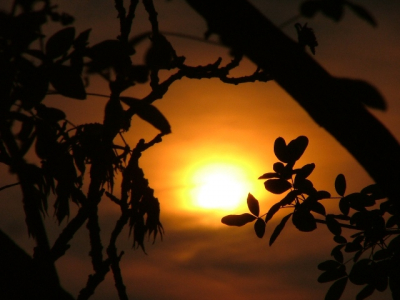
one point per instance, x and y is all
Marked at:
(394, 244)
(82, 40)
(362, 13)
(152, 115)
(332, 274)
(296, 148)
(272, 211)
(336, 289)
(32, 84)
(322, 195)
(382, 254)
(331, 8)
(67, 82)
(289, 198)
(359, 201)
(333, 225)
(277, 186)
(360, 272)
(280, 149)
(337, 253)
(340, 239)
(306, 170)
(329, 265)
(303, 220)
(253, 205)
(363, 92)
(278, 167)
(310, 8)
(365, 292)
(161, 53)
(304, 185)
(60, 42)
(278, 229)
(50, 114)
(149, 113)
(352, 247)
(318, 208)
(374, 191)
(344, 206)
(238, 220)
(259, 227)
(109, 53)
(269, 175)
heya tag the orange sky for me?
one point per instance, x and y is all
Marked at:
(200, 258)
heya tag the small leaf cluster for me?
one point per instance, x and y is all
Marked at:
(376, 235)
(302, 197)
(377, 229)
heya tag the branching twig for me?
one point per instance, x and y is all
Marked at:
(203, 72)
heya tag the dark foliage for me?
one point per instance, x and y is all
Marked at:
(33, 66)
(376, 228)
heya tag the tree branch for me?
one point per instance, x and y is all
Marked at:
(327, 99)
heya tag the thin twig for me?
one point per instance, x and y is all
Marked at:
(9, 185)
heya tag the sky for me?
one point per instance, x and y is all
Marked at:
(223, 131)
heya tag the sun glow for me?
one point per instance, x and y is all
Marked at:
(219, 186)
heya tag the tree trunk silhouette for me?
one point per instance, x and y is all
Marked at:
(333, 103)
(23, 277)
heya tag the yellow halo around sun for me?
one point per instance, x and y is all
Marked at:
(218, 186)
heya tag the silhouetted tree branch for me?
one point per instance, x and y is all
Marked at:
(326, 98)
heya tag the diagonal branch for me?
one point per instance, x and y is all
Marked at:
(327, 99)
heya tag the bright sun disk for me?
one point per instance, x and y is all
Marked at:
(219, 186)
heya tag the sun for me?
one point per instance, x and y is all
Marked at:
(219, 186)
